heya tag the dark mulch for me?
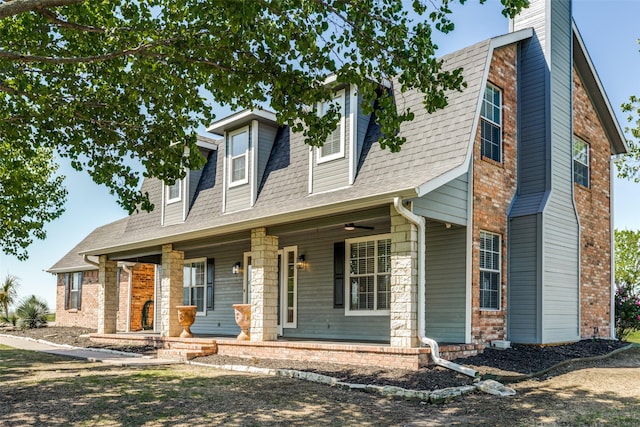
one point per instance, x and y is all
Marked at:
(520, 359)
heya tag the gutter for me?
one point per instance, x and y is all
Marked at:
(86, 259)
(422, 249)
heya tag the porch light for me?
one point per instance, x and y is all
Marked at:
(351, 226)
(236, 268)
(300, 262)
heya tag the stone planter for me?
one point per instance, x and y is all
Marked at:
(243, 319)
(186, 317)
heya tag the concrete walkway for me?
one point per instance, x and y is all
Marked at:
(112, 357)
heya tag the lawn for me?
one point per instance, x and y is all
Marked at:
(41, 389)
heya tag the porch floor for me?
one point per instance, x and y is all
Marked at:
(352, 353)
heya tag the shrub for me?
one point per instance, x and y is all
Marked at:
(32, 313)
(627, 311)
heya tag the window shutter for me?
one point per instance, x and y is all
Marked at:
(66, 291)
(210, 276)
(79, 290)
(338, 275)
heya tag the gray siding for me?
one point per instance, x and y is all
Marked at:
(266, 137)
(447, 203)
(335, 173)
(446, 282)
(239, 197)
(173, 212)
(316, 316)
(227, 289)
(523, 283)
(545, 183)
(194, 179)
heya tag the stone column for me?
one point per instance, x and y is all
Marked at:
(404, 282)
(171, 294)
(264, 286)
(107, 295)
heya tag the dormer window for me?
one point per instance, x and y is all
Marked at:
(174, 191)
(333, 147)
(239, 157)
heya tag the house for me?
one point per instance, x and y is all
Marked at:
(492, 224)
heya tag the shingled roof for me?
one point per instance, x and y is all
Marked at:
(438, 145)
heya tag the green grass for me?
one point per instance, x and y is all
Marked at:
(51, 317)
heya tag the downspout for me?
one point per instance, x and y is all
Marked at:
(86, 259)
(422, 249)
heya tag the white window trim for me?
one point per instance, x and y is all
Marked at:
(231, 158)
(587, 165)
(168, 192)
(246, 284)
(488, 120)
(204, 283)
(284, 290)
(342, 123)
(499, 271)
(347, 275)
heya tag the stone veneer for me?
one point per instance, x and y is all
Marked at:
(494, 186)
(404, 282)
(107, 295)
(594, 212)
(264, 286)
(171, 291)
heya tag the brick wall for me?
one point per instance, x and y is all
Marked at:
(494, 186)
(87, 315)
(593, 205)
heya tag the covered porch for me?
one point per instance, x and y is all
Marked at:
(318, 290)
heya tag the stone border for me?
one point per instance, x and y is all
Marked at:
(427, 396)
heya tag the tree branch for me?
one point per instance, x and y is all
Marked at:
(54, 19)
(13, 56)
(15, 7)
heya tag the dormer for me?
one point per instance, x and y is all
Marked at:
(334, 165)
(248, 139)
(178, 197)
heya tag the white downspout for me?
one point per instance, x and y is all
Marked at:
(422, 249)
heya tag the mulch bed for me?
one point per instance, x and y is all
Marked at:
(520, 359)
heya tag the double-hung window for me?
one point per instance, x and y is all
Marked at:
(333, 147)
(239, 156)
(369, 270)
(73, 287)
(490, 262)
(194, 283)
(174, 191)
(491, 124)
(580, 162)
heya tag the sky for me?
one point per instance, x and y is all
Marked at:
(610, 32)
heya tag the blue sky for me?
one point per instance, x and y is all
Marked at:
(610, 32)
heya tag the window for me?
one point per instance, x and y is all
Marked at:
(239, 158)
(491, 124)
(580, 162)
(490, 270)
(73, 290)
(194, 283)
(333, 147)
(289, 286)
(174, 191)
(369, 281)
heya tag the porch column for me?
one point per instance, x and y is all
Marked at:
(264, 286)
(107, 295)
(171, 291)
(404, 282)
